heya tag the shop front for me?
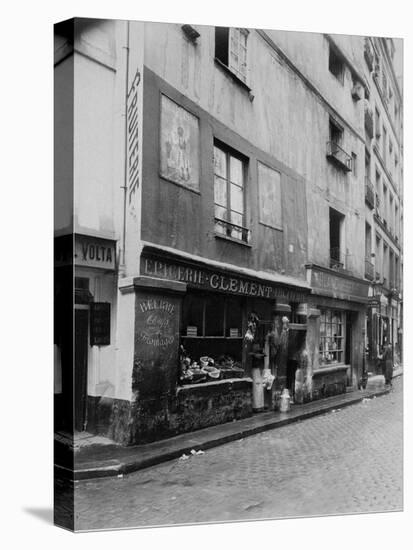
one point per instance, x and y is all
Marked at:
(340, 304)
(84, 326)
(212, 344)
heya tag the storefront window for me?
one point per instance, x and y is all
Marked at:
(211, 316)
(211, 338)
(332, 336)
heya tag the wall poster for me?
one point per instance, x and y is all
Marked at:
(179, 144)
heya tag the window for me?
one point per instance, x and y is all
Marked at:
(377, 123)
(229, 194)
(384, 143)
(231, 49)
(335, 64)
(269, 189)
(336, 255)
(336, 132)
(332, 336)
(354, 164)
(378, 257)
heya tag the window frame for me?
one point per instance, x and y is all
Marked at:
(339, 351)
(223, 58)
(203, 300)
(338, 60)
(229, 153)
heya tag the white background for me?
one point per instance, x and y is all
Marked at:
(26, 275)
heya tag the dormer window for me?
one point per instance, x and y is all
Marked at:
(231, 50)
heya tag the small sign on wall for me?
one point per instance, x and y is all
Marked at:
(99, 323)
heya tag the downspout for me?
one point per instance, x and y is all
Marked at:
(125, 165)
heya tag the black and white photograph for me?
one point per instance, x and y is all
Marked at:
(206, 324)
(228, 274)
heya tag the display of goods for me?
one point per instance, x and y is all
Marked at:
(212, 372)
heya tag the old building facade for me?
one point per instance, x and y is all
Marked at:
(216, 252)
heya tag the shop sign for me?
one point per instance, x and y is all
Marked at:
(99, 324)
(156, 322)
(217, 281)
(335, 286)
(94, 252)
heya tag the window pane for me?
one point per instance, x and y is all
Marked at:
(192, 313)
(214, 316)
(236, 218)
(236, 171)
(220, 191)
(220, 162)
(220, 212)
(237, 198)
(233, 317)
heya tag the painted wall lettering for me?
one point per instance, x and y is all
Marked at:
(208, 279)
(156, 323)
(94, 252)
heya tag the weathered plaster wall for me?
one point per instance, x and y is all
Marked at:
(184, 219)
(94, 81)
(285, 120)
(63, 147)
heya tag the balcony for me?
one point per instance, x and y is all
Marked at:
(369, 193)
(368, 270)
(338, 156)
(340, 261)
(368, 120)
(232, 231)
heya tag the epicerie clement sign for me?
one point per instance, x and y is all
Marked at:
(218, 281)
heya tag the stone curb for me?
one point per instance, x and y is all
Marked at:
(116, 468)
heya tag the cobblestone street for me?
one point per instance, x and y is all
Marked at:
(346, 461)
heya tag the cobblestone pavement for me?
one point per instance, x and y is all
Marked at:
(346, 461)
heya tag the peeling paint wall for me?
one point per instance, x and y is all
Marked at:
(286, 120)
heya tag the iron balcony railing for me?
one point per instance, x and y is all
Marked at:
(337, 258)
(340, 157)
(228, 229)
(369, 192)
(368, 270)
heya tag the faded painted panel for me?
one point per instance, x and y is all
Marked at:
(179, 144)
(269, 188)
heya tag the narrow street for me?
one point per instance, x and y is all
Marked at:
(346, 461)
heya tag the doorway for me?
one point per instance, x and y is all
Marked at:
(80, 378)
(348, 347)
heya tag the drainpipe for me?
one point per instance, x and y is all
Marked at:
(125, 166)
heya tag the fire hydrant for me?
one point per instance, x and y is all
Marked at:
(285, 400)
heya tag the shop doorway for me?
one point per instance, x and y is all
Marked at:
(349, 346)
(80, 378)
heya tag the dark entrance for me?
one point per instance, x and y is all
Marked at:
(348, 347)
(81, 351)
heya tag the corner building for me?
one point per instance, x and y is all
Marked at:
(227, 169)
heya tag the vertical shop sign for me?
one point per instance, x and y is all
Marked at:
(133, 123)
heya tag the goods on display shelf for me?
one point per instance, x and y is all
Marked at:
(194, 372)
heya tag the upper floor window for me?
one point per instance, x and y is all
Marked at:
(336, 64)
(231, 49)
(230, 170)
